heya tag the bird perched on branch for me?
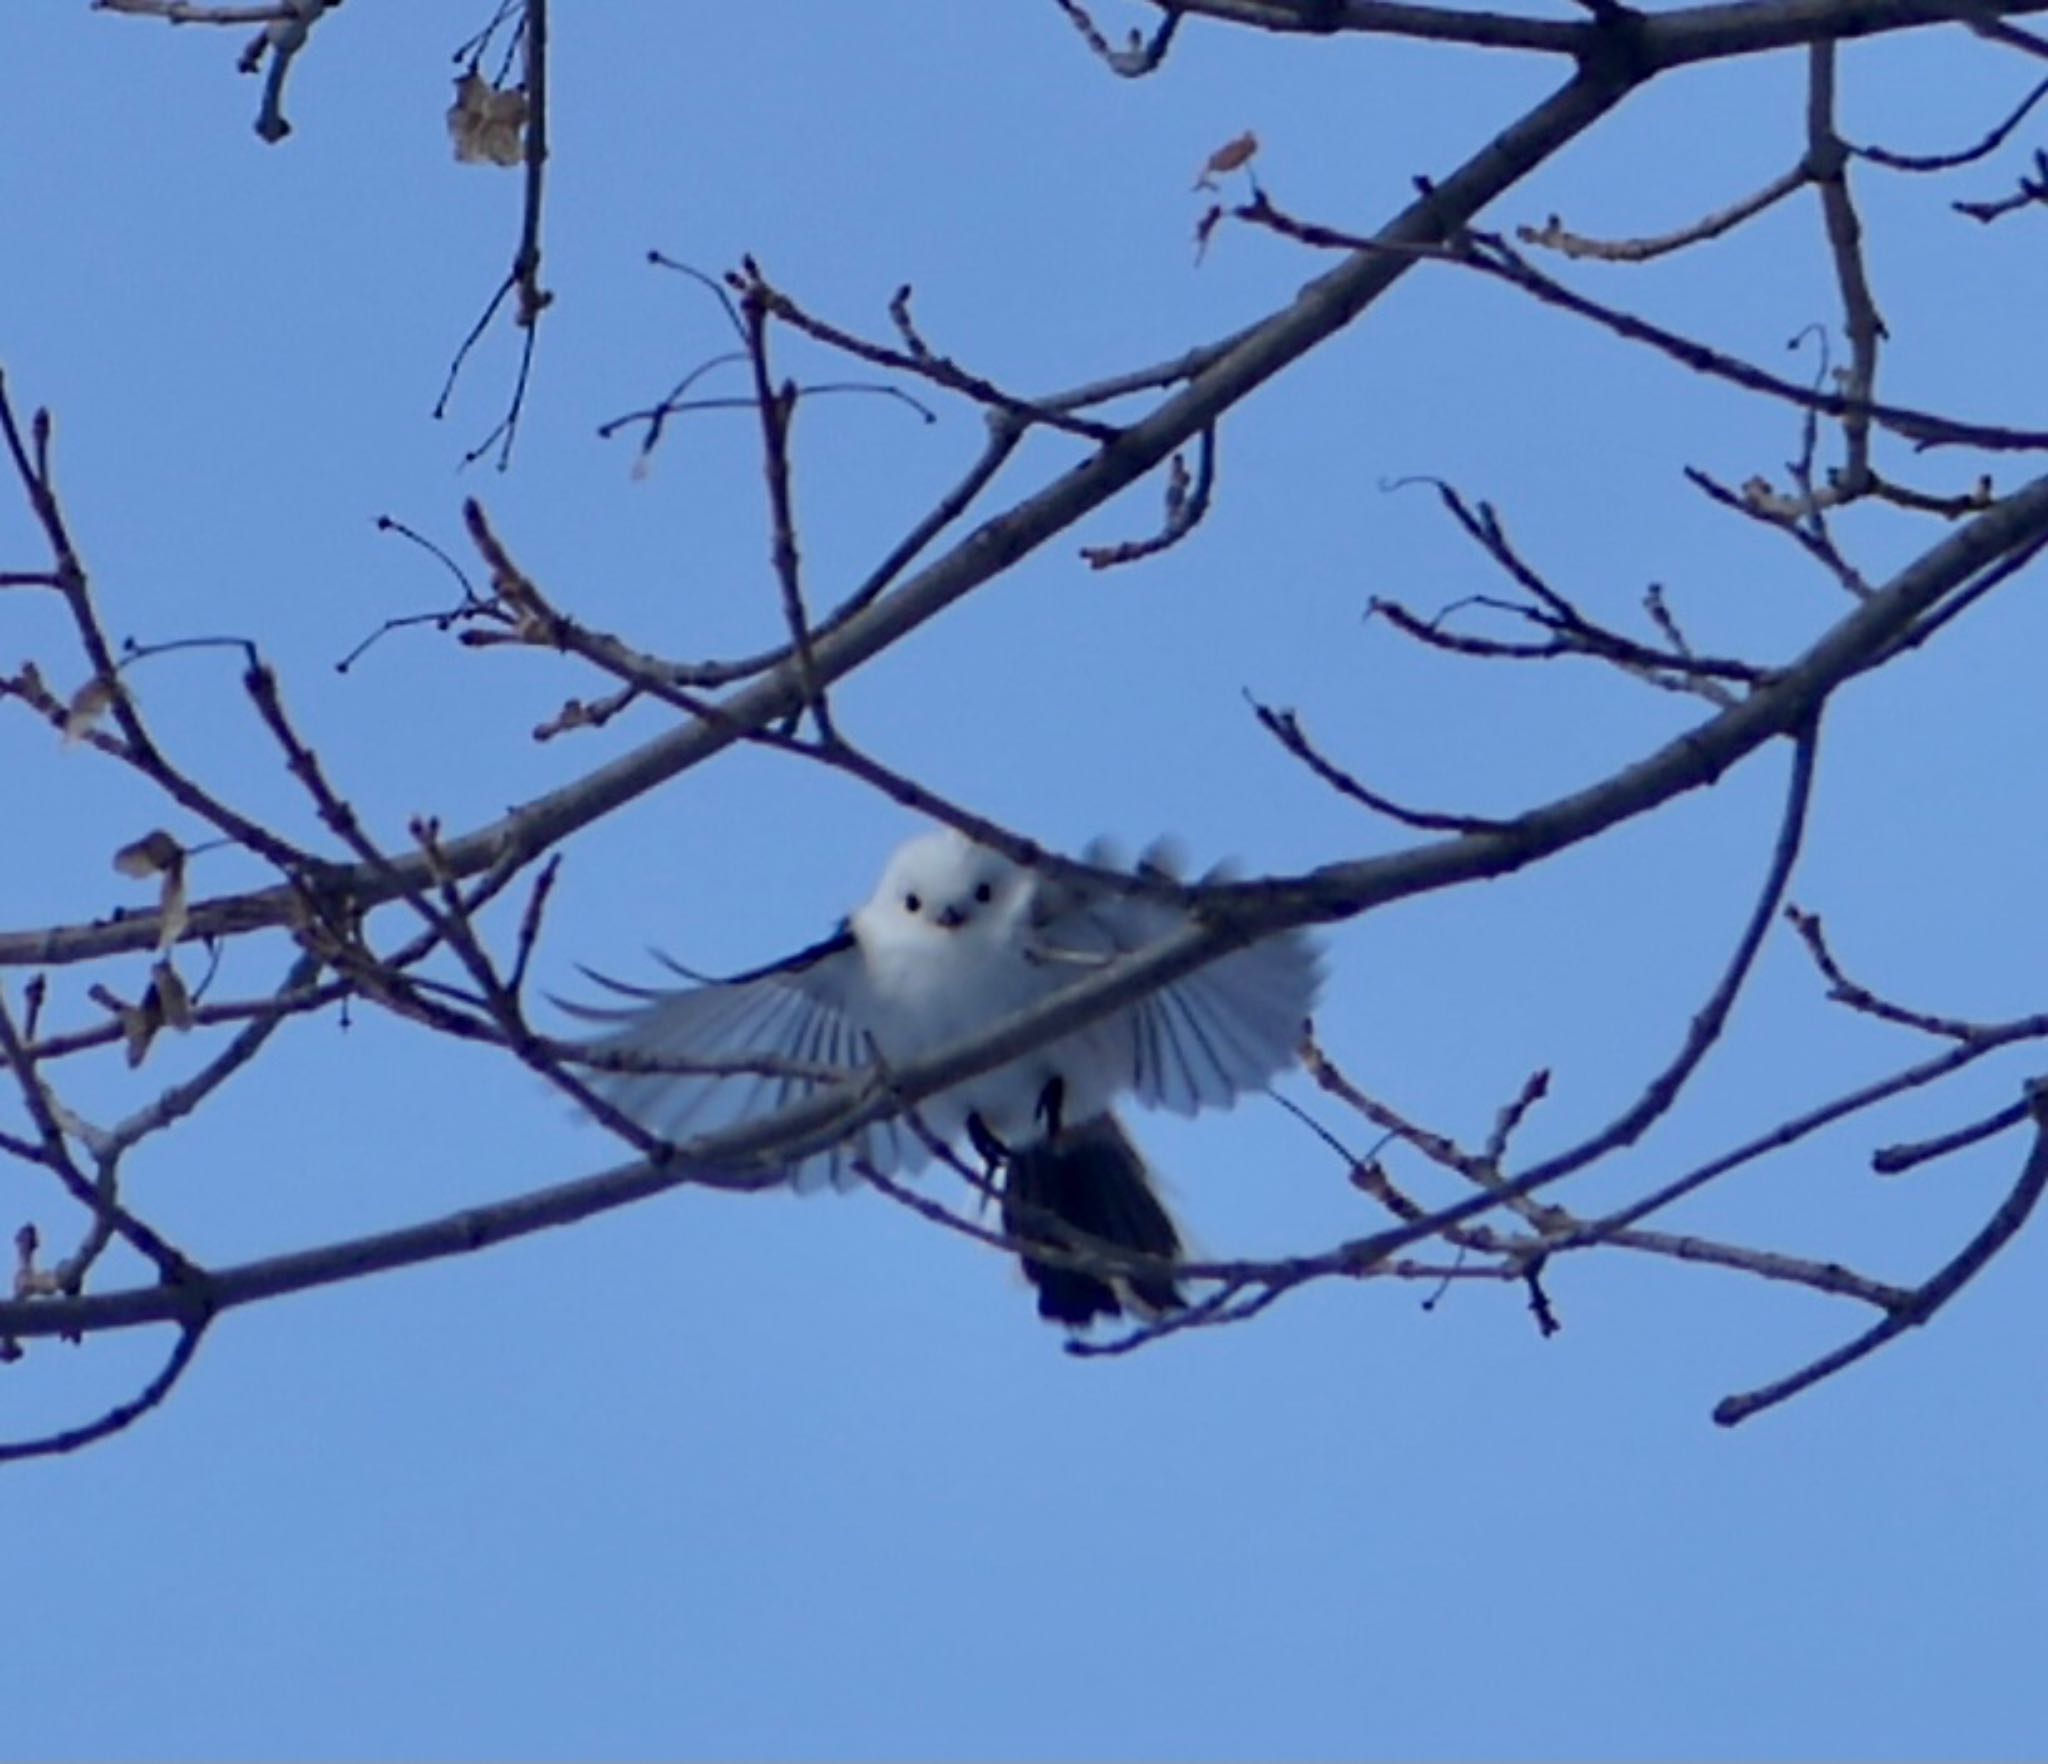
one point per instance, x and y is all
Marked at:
(955, 940)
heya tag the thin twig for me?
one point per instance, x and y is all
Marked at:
(1285, 727)
(1978, 149)
(1705, 1028)
(1929, 1297)
(1894, 1160)
(122, 1415)
(1554, 236)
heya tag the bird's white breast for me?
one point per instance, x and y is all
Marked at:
(933, 991)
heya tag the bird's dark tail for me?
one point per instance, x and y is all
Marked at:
(1089, 1178)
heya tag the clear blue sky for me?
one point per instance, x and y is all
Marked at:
(758, 1476)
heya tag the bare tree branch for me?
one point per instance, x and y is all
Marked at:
(1926, 1299)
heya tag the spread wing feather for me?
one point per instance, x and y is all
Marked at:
(1211, 1035)
(803, 1020)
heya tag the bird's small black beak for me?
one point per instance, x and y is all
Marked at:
(952, 917)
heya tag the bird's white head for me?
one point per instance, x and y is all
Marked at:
(942, 885)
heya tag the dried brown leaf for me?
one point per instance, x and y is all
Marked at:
(173, 1002)
(88, 704)
(173, 909)
(487, 126)
(1227, 158)
(139, 1023)
(154, 854)
(158, 854)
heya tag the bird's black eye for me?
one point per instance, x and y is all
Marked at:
(984, 893)
(912, 904)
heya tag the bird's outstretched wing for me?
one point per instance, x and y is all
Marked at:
(798, 1021)
(1208, 1037)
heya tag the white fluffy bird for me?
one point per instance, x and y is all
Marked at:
(955, 939)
